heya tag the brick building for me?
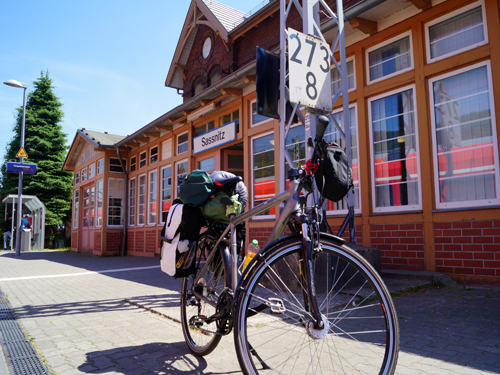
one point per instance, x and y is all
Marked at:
(424, 81)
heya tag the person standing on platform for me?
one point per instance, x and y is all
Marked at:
(7, 233)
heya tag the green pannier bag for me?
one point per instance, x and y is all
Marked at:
(216, 210)
(196, 189)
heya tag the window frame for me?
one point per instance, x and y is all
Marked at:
(77, 178)
(348, 60)
(186, 143)
(176, 176)
(122, 213)
(394, 209)
(119, 164)
(152, 194)
(269, 119)
(131, 207)
(83, 174)
(91, 171)
(447, 16)
(76, 208)
(133, 164)
(97, 200)
(151, 155)
(145, 160)
(101, 167)
(252, 197)
(138, 202)
(162, 190)
(472, 203)
(335, 213)
(382, 45)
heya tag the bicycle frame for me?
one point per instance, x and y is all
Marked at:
(292, 206)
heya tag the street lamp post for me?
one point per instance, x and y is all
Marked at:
(14, 83)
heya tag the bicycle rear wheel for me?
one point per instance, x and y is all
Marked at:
(202, 338)
(274, 332)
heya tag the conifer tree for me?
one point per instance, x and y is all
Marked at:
(45, 144)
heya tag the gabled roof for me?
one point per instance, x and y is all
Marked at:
(98, 139)
(221, 18)
(228, 17)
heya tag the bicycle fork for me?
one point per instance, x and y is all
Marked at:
(307, 274)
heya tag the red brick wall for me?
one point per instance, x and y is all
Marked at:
(468, 248)
(401, 245)
(130, 241)
(139, 241)
(114, 242)
(259, 234)
(345, 235)
(97, 240)
(197, 66)
(151, 241)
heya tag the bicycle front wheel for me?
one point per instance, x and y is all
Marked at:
(209, 282)
(274, 330)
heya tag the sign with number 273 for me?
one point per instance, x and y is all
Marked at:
(309, 71)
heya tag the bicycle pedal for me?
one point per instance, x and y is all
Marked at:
(276, 305)
(197, 320)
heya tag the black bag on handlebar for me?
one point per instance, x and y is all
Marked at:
(334, 175)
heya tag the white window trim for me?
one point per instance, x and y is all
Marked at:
(175, 174)
(415, 207)
(474, 203)
(97, 167)
(149, 196)
(177, 143)
(447, 16)
(261, 217)
(383, 44)
(251, 116)
(137, 202)
(107, 205)
(161, 190)
(138, 161)
(334, 213)
(128, 203)
(97, 201)
(348, 60)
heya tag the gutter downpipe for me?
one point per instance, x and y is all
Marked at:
(352, 12)
(124, 244)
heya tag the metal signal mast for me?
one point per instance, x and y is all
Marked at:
(312, 42)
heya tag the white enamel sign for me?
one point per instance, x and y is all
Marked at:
(309, 68)
(215, 138)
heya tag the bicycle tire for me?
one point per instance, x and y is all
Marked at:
(361, 332)
(202, 338)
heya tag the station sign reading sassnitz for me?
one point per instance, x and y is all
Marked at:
(215, 138)
(20, 167)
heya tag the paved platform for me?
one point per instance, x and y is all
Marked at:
(119, 315)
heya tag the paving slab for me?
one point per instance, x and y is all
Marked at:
(120, 315)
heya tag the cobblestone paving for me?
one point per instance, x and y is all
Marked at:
(94, 323)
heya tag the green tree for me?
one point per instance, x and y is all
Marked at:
(45, 144)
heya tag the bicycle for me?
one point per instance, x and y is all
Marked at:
(306, 303)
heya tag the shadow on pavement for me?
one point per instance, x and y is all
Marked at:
(98, 306)
(154, 358)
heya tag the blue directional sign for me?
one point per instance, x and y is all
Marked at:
(21, 167)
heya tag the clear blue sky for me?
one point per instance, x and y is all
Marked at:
(108, 59)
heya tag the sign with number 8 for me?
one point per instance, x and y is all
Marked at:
(309, 71)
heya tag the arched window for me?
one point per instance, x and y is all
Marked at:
(198, 86)
(215, 75)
